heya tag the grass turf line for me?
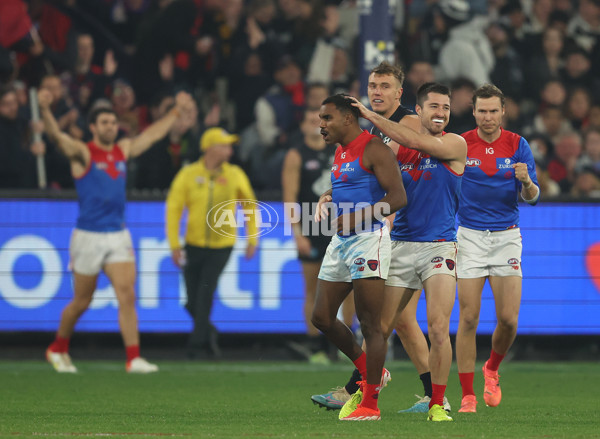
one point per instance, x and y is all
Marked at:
(237, 400)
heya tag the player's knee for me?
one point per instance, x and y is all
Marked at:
(126, 296)
(321, 321)
(508, 322)
(469, 319)
(438, 331)
(370, 328)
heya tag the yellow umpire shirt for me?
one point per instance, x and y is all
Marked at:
(198, 190)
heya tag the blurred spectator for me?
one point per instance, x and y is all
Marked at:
(507, 73)
(17, 163)
(247, 84)
(316, 93)
(158, 166)
(122, 98)
(546, 64)
(578, 72)
(418, 73)
(461, 106)
(551, 122)
(561, 167)
(553, 93)
(277, 113)
(585, 26)
(58, 166)
(18, 34)
(514, 120)
(466, 52)
(86, 81)
(578, 107)
(594, 118)
(590, 158)
(548, 187)
(539, 18)
(541, 148)
(587, 185)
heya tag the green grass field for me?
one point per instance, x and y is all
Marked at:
(237, 400)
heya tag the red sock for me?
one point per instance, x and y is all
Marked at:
(361, 365)
(60, 345)
(132, 352)
(466, 382)
(494, 362)
(370, 396)
(437, 395)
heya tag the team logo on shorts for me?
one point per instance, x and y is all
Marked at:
(359, 261)
(437, 259)
(373, 264)
(450, 264)
(514, 262)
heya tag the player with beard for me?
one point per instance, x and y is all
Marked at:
(100, 240)
(424, 233)
(499, 168)
(384, 90)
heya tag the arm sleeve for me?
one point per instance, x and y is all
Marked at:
(176, 201)
(245, 192)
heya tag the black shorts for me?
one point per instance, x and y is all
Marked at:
(319, 247)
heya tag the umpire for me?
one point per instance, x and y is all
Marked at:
(211, 182)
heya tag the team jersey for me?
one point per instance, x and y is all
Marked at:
(432, 190)
(353, 185)
(101, 191)
(490, 191)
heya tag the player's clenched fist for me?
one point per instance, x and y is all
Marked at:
(521, 173)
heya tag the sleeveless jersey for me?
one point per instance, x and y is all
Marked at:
(432, 190)
(101, 191)
(490, 191)
(315, 172)
(353, 185)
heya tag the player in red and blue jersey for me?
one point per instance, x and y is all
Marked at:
(500, 166)
(423, 236)
(366, 187)
(384, 91)
(100, 241)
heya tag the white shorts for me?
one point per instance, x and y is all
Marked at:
(90, 251)
(483, 253)
(357, 257)
(415, 262)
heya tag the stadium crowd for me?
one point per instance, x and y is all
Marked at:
(254, 66)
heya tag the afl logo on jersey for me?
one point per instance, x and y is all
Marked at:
(473, 162)
(407, 167)
(437, 259)
(334, 168)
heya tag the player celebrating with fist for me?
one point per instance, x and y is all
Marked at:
(500, 165)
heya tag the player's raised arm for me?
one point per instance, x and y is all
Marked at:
(434, 111)
(72, 148)
(139, 144)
